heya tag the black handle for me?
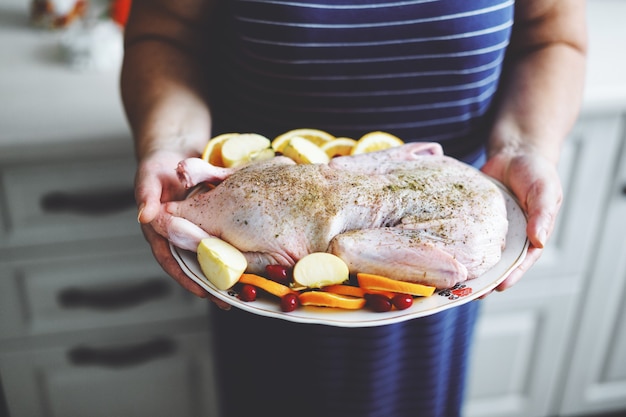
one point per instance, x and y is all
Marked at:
(89, 203)
(122, 356)
(114, 298)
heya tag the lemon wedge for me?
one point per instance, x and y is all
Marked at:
(339, 147)
(303, 151)
(376, 141)
(318, 137)
(213, 150)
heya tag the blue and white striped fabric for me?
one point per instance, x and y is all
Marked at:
(424, 69)
(271, 367)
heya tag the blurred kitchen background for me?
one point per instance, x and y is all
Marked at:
(91, 326)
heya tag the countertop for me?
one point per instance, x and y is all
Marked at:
(46, 106)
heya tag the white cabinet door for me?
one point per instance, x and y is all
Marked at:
(596, 381)
(524, 335)
(516, 356)
(142, 376)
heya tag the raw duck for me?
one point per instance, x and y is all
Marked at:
(409, 213)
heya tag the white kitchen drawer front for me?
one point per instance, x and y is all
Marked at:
(67, 200)
(146, 375)
(596, 380)
(515, 359)
(90, 292)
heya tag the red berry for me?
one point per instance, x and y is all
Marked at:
(402, 301)
(247, 292)
(378, 302)
(279, 273)
(289, 302)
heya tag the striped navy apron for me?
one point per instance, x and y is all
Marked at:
(424, 70)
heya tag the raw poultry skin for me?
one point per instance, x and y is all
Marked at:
(409, 213)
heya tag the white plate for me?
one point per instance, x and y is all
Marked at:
(515, 251)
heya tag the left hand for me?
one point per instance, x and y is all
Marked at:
(535, 182)
(156, 183)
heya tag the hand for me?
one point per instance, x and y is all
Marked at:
(535, 182)
(156, 182)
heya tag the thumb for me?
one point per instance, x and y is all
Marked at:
(148, 197)
(148, 210)
(543, 203)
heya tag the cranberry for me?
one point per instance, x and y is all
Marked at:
(402, 301)
(247, 292)
(289, 302)
(378, 302)
(279, 273)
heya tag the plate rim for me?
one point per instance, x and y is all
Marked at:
(325, 315)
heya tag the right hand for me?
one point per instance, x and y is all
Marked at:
(535, 181)
(156, 183)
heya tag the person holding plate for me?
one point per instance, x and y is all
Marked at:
(497, 83)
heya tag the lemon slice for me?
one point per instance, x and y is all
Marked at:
(318, 137)
(338, 147)
(303, 151)
(213, 150)
(376, 141)
(244, 148)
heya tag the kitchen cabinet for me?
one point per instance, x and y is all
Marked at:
(597, 377)
(89, 323)
(145, 375)
(525, 336)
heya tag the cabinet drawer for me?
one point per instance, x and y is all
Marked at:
(67, 200)
(143, 375)
(89, 292)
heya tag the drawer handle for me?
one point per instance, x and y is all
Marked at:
(114, 298)
(89, 203)
(123, 356)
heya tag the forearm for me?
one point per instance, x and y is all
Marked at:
(162, 86)
(541, 101)
(542, 88)
(162, 103)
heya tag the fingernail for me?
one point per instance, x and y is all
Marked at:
(141, 207)
(542, 236)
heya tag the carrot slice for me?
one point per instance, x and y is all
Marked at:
(265, 284)
(353, 291)
(388, 294)
(329, 299)
(342, 289)
(378, 282)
